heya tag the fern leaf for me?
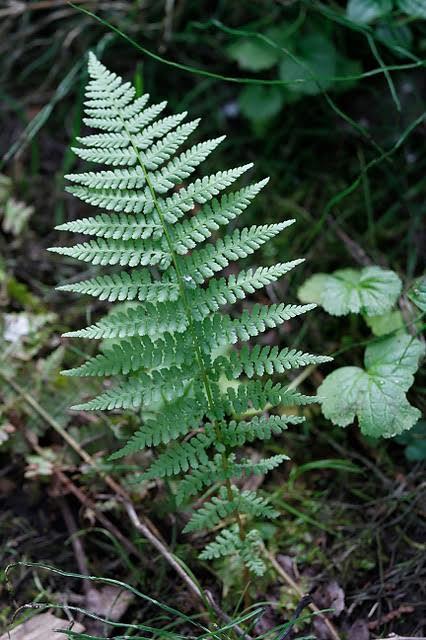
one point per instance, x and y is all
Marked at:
(136, 285)
(255, 394)
(139, 389)
(235, 434)
(205, 262)
(122, 252)
(261, 318)
(221, 291)
(223, 505)
(261, 360)
(116, 200)
(183, 165)
(116, 226)
(189, 232)
(180, 457)
(251, 553)
(170, 343)
(204, 476)
(151, 320)
(226, 543)
(128, 356)
(142, 140)
(176, 419)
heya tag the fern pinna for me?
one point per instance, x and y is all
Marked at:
(172, 344)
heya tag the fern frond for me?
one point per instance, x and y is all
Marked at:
(213, 471)
(171, 344)
(117, 226)
(204, 476)
(180, 457)
(123, 200)
(251, 553)
(198, 192)
(255, 394)
(221, 291)
(181, 167)
(136, 285)
(205, 262)
(142, 140)
(236, 434)
(261, 318)
(122, 252)
(128, 356)
(143, 388)
(225, 544)
(149, 320)
(191, 231)
(264, 360)
(223, 505)
(176, 419)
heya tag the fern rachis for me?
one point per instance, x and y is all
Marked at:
(172, 346)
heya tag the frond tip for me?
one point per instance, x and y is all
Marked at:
(169, 345)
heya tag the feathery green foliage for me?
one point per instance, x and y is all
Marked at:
(172, 344)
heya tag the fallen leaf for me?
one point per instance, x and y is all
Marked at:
(41, 627)
(109, 601)
(330, 596)
(359, 631)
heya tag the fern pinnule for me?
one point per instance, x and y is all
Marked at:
(172, 344)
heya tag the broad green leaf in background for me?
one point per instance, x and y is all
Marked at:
(372, 291)
(386, 323)
(398, 37)
(253, 55)
(417, 293)
(259, 103)
(413, 8)
(415, 441)
(376, 394)
(317, 67)
(366, 11)
(347, 68)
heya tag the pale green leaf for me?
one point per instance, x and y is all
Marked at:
(259, 103)
(413, 8)
(366, 11)
(253, 55)
(312, 289)
(315, 67)
(371, 291)
(386, 323)
(376, 394)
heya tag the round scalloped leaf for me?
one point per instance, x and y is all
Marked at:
(413, 8)
(366, 11)
(375, 395)
(253, 55)
(372, 291)
(384, 324)
(313, 69)
(312, 289)
(259, 103)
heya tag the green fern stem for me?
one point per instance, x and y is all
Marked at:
(198, 352)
